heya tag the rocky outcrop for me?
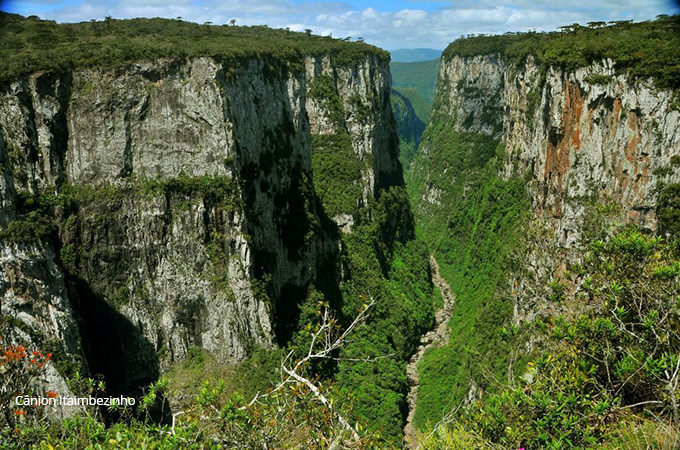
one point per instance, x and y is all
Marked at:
(184, 202)
(589, 133)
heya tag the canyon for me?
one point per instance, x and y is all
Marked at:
(163, 211)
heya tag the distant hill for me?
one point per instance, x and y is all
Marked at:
(421, 106)
(421, 76)
(407, 55)
(413, 89)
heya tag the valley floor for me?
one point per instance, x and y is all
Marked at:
(439, 335)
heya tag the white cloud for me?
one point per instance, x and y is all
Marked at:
(369, 14)
(155, 3)
(411, 15)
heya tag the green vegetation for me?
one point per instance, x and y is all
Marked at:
(86, 226)
(598, 377)
(565, 392)
(322, 89)
(30, 44)
(645, 49)
(373, 377)
(381, 261)
(472, 230)
(604, 378)
(605, 374)
(414, 86)
(409, 127)
(336, 167)
(668, 209)
(200, 371)
(413, 90)
(35, 221)
(291, 412)
(420, 105)
(33, 226)
(366, 376)
(420, 76)
(598, 79)
(337, 172)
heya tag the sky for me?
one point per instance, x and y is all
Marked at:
(390, 24)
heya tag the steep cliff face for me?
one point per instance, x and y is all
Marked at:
(588, 133)
(588, 139)
(184, 198)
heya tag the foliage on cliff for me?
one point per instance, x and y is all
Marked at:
(335, 165)
(30, 44)
(668, 209)
(645, 49)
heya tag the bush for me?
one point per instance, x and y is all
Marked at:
(668, 209)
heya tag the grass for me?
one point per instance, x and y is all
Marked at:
(255, 374)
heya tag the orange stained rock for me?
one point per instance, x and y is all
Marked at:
(617, 112)
(634, 126)
(557, 159)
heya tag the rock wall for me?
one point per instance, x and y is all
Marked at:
(587, 140)
(185, 208)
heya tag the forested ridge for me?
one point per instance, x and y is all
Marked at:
(31, 44)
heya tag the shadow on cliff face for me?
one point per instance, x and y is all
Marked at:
(296, 225)
(115, 350)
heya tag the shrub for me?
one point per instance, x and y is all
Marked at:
(21, 371)
(668, 209)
